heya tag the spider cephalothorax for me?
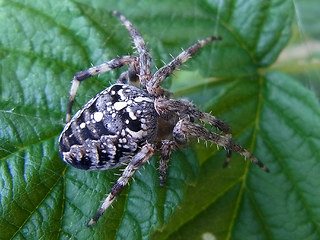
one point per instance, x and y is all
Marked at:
(126, 125)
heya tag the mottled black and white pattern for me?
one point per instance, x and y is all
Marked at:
(126, 124)
(109, 129)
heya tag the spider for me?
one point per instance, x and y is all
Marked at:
(129, 121)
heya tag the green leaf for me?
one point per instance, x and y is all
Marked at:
(42, 45)
(239, 203)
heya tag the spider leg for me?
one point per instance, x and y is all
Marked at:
(95, 70)
(137, 161)
(166, 149)
(123, 78)
(130, 76)
(186, 108)
(185, 128)
(144, 56)
(222, 126)
(153, 84)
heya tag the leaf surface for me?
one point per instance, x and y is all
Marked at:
(42, 45)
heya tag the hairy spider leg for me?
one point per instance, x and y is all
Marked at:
(163, 106)
(153, 84)
(219, 124)
(166, 149)
(185, 128)
(137, 161)
(130, 76)
(95, 70)
(144, 55)
(186, 108)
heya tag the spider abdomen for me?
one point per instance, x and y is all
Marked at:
(109, 129)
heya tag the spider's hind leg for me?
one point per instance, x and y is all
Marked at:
(185, 128)
(137, 161)
(95, 70)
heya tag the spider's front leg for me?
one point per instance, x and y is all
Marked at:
(136, 162)
(144, 55)
(153, 85)
(95, 70)
(185, 108)
(185, 128)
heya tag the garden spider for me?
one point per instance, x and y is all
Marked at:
(125, 124)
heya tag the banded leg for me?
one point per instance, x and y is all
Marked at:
(144, 56)
(95, 70)
(153, 85)
(164, 106)
(222, 126)
(184, 107)
(137, 161)
(184, 128)
(166, 150)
